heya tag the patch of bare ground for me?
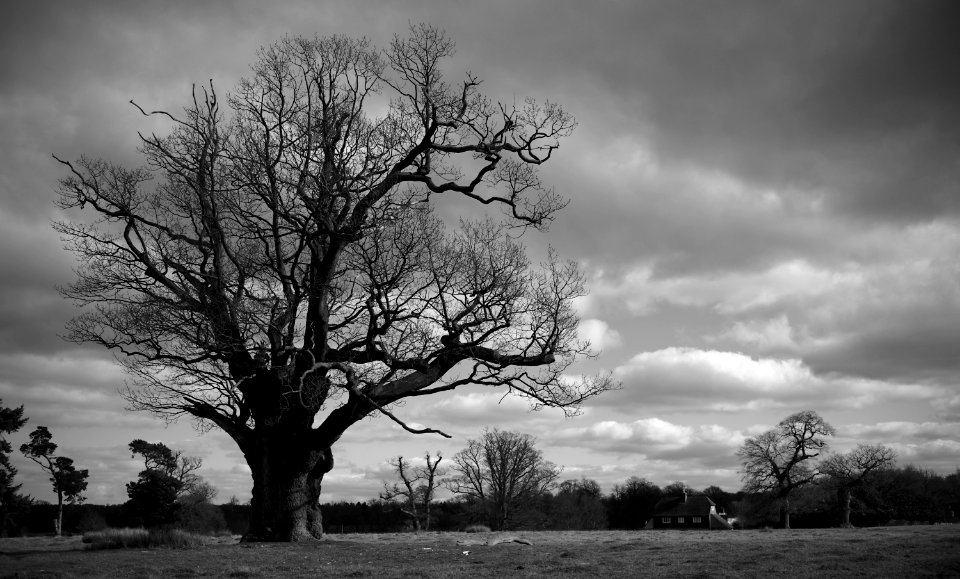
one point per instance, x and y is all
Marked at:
(919, 551)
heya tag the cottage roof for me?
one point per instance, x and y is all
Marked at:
(684, 506)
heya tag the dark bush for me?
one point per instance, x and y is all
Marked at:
(153, 499)
(90, 519)
(236, 517)
(202, 518)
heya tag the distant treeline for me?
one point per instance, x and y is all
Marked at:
(907, 495)
(894, 496)
(229, 518)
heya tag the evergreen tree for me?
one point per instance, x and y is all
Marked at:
(68, 482)
(11, 502)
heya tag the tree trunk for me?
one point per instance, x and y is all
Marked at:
(411, 511)
(843, 499)
(59, 522)
(286, 488)
(413, 516)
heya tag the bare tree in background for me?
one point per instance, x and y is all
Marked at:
(276, 264)
(779, 460)
(416, 489)
(578, 505)
(851, 470)
(500, 470)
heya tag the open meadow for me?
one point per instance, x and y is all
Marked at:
(916, 551)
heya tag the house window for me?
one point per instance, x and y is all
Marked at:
(697, 520)
(666, 519)
(679, 519)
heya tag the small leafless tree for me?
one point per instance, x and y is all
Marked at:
(780, 460)
(275, 269)
(850, 471)
(200, 493)
(416, 489)
(500, 470)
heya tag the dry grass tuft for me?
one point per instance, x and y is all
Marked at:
(127, 538)
(116, 538)
(476, 529)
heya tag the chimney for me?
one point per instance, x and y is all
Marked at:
(684, 495)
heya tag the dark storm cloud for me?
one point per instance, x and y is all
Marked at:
(67, 389)
(841, 114)
(913, 348)
(855, 100)
(31, 264)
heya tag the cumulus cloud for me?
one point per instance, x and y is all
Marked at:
(886, 432)
(73, 389)
(648, 436)
(875, 308)
(470, 411)
(766, 335)
(659, 450)
(599, 333)
(932, 445)
(720, 381)
(732, 292)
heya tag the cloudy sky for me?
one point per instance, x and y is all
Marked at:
(765, 196)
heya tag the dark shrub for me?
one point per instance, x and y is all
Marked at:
(202, 518)
(153, 499)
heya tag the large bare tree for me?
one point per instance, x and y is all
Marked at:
(275, 269)
(851, 470)
(779, 460)
(500, 471)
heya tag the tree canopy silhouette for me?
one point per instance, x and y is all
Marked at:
(500, 471)
(850, 472)
(276, 264)
(779, 460)
(631, 504)
(174, 464)
(68, 482)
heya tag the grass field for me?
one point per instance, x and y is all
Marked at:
(919, 551)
